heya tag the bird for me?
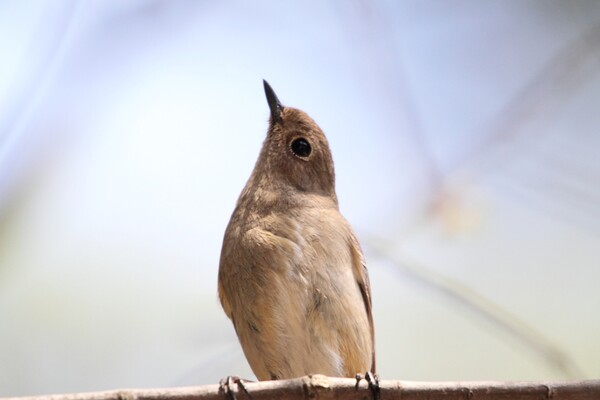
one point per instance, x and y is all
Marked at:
(292, 276)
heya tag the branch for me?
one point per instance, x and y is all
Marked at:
(478, 303)
(322, 387)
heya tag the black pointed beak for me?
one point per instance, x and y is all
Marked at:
(274, 103)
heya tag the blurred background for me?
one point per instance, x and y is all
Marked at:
(467, 148)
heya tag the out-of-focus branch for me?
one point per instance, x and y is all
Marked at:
(481, 306)
(322, 387)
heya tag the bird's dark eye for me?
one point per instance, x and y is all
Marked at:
(301, 147)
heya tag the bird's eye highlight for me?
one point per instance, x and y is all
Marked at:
(301, 147)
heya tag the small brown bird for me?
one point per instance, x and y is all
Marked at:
(292, 276)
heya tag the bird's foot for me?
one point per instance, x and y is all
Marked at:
(225, 386)
(373, 381)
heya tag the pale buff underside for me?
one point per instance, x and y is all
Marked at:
(295, 315)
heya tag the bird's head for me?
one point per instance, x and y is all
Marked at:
(296, 151)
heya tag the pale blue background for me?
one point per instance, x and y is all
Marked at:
(467, 149)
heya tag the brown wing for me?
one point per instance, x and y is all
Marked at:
(362, 279)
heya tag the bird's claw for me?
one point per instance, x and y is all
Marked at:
(373, 381)
(226, 383)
